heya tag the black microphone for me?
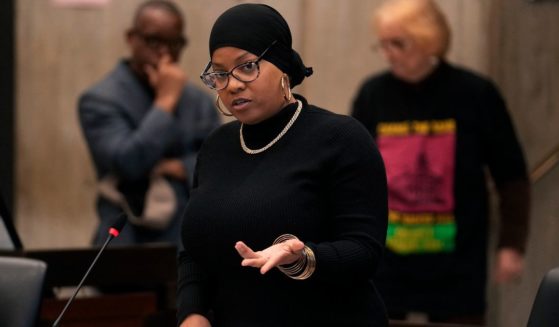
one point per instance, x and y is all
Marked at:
(114, 230)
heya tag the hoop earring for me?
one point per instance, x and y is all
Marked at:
(289, 95)
(228, 114)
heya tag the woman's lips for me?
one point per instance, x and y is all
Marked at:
(240, 104)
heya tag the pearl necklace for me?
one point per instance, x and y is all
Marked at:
(280, 135)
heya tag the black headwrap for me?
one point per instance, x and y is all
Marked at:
(254, 27)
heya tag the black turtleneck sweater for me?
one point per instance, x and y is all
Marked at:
(324, 182)
(438, 138)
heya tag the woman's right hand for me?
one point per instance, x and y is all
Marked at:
(284, 253)
(195, 320)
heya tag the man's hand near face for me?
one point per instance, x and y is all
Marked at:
(168, 80)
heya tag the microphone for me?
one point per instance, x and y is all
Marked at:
(114, 230)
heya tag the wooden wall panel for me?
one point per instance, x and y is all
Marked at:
(60, 52)
(469, 23)
(337, 44)
(524, 61)
(526, 65)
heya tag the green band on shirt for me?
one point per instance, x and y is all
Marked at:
(421, 238)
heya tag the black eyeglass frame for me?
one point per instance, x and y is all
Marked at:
(205, 73)
(156, 42)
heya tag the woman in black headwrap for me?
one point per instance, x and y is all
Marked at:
(290, 189)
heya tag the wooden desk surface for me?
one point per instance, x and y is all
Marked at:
(137, 283)
(148, 265)
(123, 310)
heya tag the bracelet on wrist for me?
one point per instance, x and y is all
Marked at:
(304, 267)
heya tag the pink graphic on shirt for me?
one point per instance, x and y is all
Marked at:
(420, 171)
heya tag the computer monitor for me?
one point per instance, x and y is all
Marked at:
(9, 239)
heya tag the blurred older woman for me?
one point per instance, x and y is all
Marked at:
(438, 127)
(287, 219)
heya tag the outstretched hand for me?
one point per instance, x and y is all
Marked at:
(283, 253)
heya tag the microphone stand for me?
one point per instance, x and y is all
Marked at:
(113, 232)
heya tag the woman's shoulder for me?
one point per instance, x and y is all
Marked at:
(376, 80)
(323, 115)
(333, 125)
(227, 128)
(339, 135)
(221, 134)
(468, 78)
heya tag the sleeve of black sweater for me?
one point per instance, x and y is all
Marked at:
(508, 168)
(358, 195)
(363, 108)
(193, 284)
(192, 288)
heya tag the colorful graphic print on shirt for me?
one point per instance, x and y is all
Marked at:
(420, 163)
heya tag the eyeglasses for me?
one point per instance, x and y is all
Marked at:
(393, 44)
(245, 72)
(156, 42)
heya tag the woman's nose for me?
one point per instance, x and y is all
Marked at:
(234, 85)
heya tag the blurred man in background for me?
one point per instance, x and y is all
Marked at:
(144, 124)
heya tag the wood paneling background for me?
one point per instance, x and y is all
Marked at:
(524, 61)
(61, 51)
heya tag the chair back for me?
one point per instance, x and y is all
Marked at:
(21, 285)
(545, 310)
